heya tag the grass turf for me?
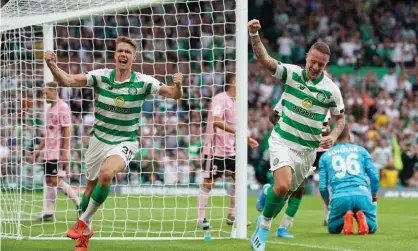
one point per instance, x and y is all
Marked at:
(174, 216)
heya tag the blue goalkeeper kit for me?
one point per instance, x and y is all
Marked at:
(344, 168)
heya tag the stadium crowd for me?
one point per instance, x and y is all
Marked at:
(382, 111)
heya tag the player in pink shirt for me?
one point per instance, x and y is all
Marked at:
(56, 147)
(219, 147)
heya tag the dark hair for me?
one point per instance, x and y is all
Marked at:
(229, 77)
(321, 47)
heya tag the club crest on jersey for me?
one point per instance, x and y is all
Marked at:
(132, 90)
(275, 162)
(307, 103)
(119, 101)
(320, 97)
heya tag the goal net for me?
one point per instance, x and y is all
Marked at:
(157, 198)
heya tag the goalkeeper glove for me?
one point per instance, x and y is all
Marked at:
(374, 199)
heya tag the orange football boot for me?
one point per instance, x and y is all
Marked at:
(348, 223)
(83, 242)
(77, 230)
(363, 228)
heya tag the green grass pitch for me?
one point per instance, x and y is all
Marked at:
(397, 218)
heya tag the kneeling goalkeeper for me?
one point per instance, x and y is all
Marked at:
(344, 168)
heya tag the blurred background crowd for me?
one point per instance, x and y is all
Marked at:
(374, 61)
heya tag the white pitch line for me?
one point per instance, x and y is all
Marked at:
(311, 246)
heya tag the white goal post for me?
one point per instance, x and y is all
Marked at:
(157, 198)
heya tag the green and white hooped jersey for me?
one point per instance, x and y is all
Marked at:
(118, 104)
(278, 108)
(305, 105)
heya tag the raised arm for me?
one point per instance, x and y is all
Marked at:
(175, 91)
(64, 79)
(259, 50)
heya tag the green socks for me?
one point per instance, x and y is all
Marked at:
(293, 206)
(84, 202)
(100, 193)
(273, 205)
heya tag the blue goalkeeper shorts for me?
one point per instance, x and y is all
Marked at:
(340, 205)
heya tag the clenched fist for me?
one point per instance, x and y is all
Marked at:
(252, 142)
(50, 57)
(178, 78)
(327, 142)
(253, 26)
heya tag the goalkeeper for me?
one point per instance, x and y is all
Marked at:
(344, 168)
(119, 95)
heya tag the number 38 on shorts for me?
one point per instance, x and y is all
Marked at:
(98, 151)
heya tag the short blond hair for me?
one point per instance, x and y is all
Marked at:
(128, 40)
(51, 84)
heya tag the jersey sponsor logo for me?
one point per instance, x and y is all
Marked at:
(307, 103)
(119, 101)
(132, 90)
(302, 87)
(320, 97)
(304, 112)
(115, 109)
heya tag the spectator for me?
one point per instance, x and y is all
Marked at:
(382, 155)
(285, 44)
(413, 181)
(389, 81)
(388, 176)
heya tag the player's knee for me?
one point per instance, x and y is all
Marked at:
(207, 184)
(106, 176)
(281, 189)
(372, 227)
(334, 230)
(51, 180)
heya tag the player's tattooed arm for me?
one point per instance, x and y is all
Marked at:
(261, 54)
(339, 126)
(259, 50)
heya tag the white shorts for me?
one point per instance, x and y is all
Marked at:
(98, 151)
(300, 162)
